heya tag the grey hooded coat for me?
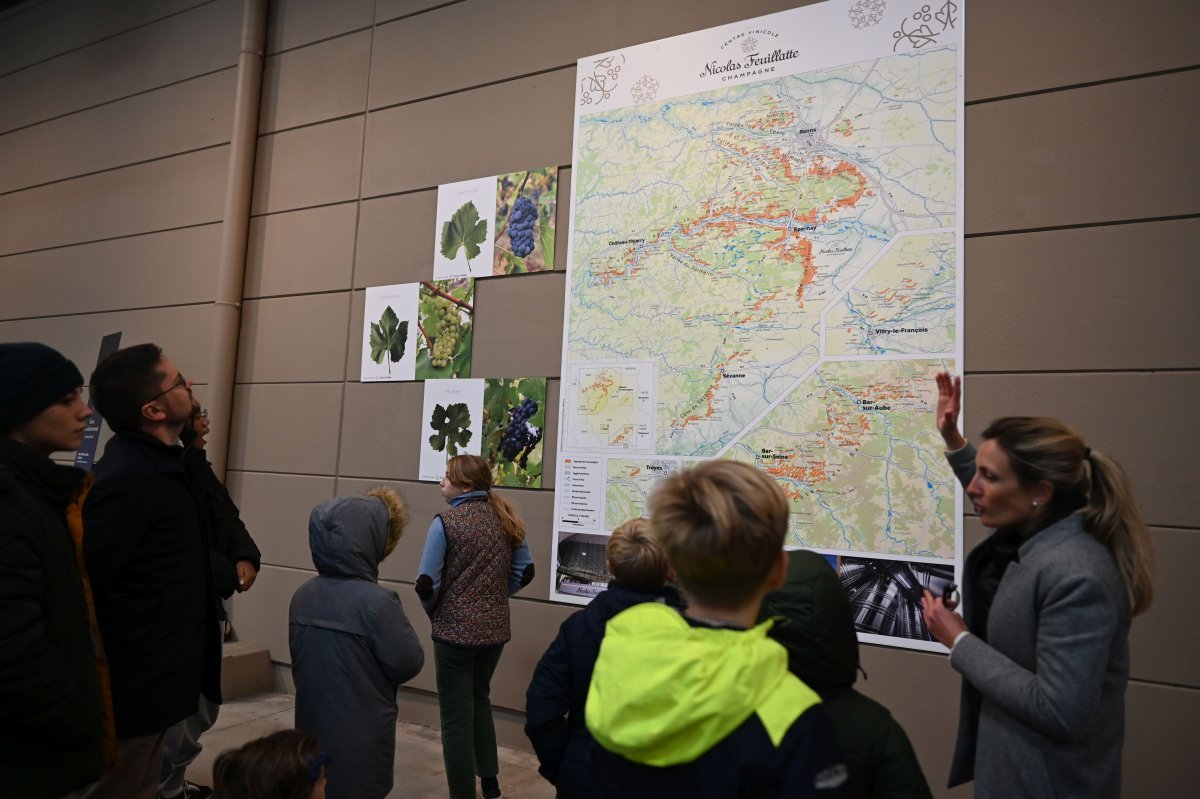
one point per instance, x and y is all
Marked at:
(352, 645)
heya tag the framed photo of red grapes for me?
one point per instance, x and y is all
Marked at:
(514, 419)
(498, 225)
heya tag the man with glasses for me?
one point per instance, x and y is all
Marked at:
(146, 544)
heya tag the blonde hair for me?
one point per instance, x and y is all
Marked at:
(1041, 448)
(722, 525)
(397, 513)
(635, 559)
(472, 473)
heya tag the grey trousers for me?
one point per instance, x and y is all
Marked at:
(182, 745)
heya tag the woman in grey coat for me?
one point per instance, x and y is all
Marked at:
(1043, 649)
(351, 643)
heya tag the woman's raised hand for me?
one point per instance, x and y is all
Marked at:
(948, 407)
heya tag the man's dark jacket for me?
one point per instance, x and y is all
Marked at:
(146, 546)
(817, 630)
(555, 699)
(51, 717)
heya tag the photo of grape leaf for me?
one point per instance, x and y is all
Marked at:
(451, 427)
(388, 337)
(464, 230)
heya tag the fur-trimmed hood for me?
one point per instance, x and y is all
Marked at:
(350, 536)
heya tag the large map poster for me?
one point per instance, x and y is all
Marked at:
(765, 264)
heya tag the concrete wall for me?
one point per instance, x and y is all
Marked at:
(1083, 224)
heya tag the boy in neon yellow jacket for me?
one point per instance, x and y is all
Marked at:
(703, 704)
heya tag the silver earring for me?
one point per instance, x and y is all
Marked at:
(1035, 503)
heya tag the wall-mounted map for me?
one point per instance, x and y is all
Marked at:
(764, 264)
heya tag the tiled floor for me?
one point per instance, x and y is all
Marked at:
(419, 771)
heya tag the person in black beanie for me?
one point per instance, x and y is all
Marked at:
(52, 722)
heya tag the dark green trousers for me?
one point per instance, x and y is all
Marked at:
(464, 678)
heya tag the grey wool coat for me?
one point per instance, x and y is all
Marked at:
(351, 645)
(1043, 706)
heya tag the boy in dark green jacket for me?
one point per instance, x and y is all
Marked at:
(817, 629)
(703, 705)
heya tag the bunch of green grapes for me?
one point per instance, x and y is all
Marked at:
(448, 331)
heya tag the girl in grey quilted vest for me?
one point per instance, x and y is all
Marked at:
(475, 557)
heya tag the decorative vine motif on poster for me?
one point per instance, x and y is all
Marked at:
(603, 81)
(867, 13)
(929, 25)
(645, 89)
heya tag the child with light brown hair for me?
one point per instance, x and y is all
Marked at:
(703, 704)
(555, 699)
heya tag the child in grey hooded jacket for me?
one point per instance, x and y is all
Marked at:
(351, 643)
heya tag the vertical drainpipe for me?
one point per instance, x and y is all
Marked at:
(231, 265)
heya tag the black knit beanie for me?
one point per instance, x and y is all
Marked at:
(32, 378)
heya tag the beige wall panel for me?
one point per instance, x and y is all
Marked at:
(317, 82)
(275, 508)
(262, 612)
(301, 251)
(293, 339)
(1076, 41)
(1111, 171)
(174, 49)
(43, 30)
(289, 428)
(381, 430)
(292, 23)
(395, 239)
(174, 192)
(391, 9)
(562, 219)
(1160, 741)
(534, 625)
(1163, 643)
(354, 340)
(405, 49)
(185, 116)
(921, 691)
(317, 165)
(169, 268)
(184, 332)
(1118, 296)
(519, 326)
(423, 145)
(1120, 414)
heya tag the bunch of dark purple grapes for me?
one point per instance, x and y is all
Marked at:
(520, 437)
(520, 226)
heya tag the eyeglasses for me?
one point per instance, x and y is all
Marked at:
(181, 381)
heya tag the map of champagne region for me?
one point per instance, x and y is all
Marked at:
(780, 260)
(613, 408)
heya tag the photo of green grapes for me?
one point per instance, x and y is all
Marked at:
(525, 208)
(444, 322)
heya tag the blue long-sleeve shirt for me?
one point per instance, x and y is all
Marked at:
(433, 558)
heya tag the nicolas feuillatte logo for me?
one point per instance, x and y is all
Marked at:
(757, 51)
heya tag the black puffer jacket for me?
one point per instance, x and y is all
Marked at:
(146, 545)
(51, 718)
(818, 632)
(556, 696)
